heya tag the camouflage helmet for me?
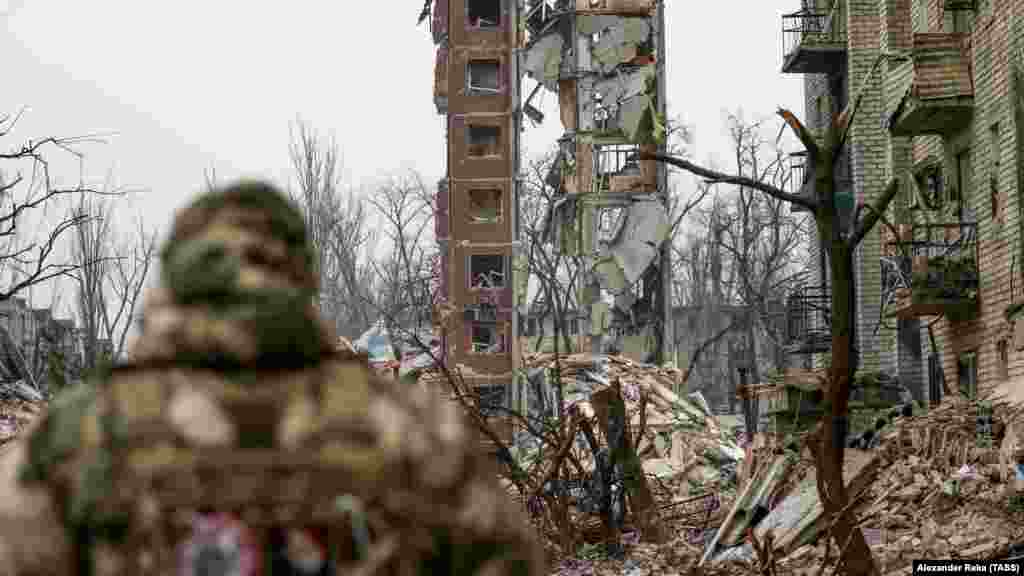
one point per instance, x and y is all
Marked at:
(245, 238)
(239, 280)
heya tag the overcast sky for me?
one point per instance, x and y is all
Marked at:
(191, 85)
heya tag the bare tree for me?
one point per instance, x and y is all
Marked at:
(406, 275)
(338, 223)
(110, 275)
(840, 242)
(28, 191)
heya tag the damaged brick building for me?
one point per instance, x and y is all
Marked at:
(940, 290)
(476, 89)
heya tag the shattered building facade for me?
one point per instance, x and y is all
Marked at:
(476, 89)
(605, 60)
(939, 291)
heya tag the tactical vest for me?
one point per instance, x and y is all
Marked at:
(282, 451)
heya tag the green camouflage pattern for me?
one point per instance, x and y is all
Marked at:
(239, 398)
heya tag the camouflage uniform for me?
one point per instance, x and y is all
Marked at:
(239, 400)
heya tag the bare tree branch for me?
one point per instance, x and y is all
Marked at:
(719, 177)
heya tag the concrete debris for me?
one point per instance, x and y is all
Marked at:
(635, 248)
(618, 40)
(16, 414)
(934, 488)
(543, 60)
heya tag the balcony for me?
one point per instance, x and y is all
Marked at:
(813, 41)
(619, 169)
(943, 271)
(934, 90)
(809, 320)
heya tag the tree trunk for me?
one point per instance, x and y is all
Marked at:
(856, 556)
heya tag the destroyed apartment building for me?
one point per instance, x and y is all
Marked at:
(604, 59)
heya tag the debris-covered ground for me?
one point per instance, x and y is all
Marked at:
(928, 488)
(19, 405)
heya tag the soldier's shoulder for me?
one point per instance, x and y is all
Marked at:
(56, 433)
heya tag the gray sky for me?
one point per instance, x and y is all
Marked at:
(192, 85)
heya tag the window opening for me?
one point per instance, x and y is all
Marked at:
(484, 76)
(483, 140)
(531, 327)
(963, 180)
(486, 338)
(609, 222)
(487, 271)
(935, 378)
(483, 13)
(485, 206)
(1003, 353)
(618, 159)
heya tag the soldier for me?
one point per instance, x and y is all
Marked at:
(243, 439)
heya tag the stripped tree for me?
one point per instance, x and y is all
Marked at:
(840, 243)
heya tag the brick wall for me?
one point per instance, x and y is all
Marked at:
(900, 350)
(869, 159)
(992, 55)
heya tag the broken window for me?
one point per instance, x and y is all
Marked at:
(483, 13)
(487, 271)
(484, 76)
(486, 338)
(483, 140)
(609, 222)
(618, 159)
(930, 183)
(485, 206)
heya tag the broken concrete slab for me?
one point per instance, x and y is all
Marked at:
(662, 468)
(738, 514)
(795, 520)
(638, 245)
(542, 61)
(618, 40)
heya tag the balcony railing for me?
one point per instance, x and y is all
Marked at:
(943, 270)
(618, 168)
(813, 41)
(809, 320)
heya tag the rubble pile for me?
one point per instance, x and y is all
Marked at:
(930, 491)
(19, 405)
(680, 430)
(937, 493)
